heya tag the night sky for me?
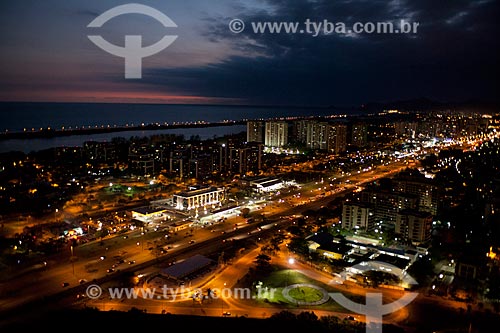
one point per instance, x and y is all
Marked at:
(46, 55)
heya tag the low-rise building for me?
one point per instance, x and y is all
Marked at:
(328, 246)
(149, 214)
(264, 184)
(415, 226)
(199, 197)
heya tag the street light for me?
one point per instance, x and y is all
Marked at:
(72, 260)
(142, 234)
(222, 299)
(291, 261)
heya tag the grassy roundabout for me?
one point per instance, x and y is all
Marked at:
(306, 294)
(289, 288)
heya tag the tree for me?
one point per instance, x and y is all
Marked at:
(263, 263)
(102, 233)
(299, 245)
(493, 287)
(307, 316)
(284, 315)
(376, 278)
(421, 269)
(245, 212)
(195, 138)
(430, 161)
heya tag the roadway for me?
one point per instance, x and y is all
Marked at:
(426, 309)
(37, 290)
(83, 262)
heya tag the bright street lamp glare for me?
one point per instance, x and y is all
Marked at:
(291, 261)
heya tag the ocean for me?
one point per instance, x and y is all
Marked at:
(18, 117)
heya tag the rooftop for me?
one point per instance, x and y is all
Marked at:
(194, 191)
(264, 181)
(188, 266)
(393, 260)
(321, 238)
(146, 210)
(335, 248)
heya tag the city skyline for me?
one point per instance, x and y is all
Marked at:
(400, 193)
(308, 165)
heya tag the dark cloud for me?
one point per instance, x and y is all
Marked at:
(453, 56)
(88, 13)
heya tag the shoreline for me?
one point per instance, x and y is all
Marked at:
(52, 133)
(48, 133)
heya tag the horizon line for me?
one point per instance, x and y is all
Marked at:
(188, 104)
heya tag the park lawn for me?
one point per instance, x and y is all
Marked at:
(119, 190)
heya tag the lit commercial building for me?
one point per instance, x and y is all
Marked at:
(357, 216)
(386, 204)
(321, 135)
(299, 130)
(100, 152)
(392, 263)
(359, 134)
(149, 214)
(337, 138)
(427, 191)
(317, 135)
(246, 158)
(276, 134)
(414, 226)
(142, 159)
(406, 129)
(199, 197)
(255, 131)
(264, 184)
